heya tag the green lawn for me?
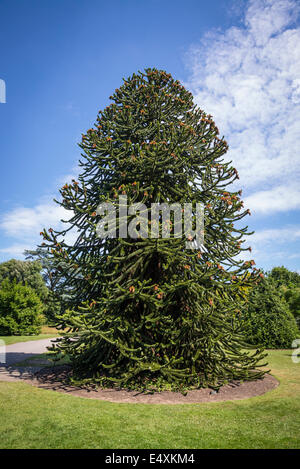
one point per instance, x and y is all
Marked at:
(46, 333)
(37, 418)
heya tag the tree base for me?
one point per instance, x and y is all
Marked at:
(58, 379)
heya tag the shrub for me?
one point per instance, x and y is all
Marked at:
(267, 319)
(292, 296)
(283, 276)
(20, 309)
(31, 273)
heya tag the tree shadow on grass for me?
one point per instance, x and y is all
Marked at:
(22, 365)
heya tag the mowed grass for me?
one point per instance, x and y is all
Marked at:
(37, 418)
(46, 333)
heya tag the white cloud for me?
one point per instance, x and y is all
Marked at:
(28, 221)
(24, 222)
(15, 250)
(281, 235)
(269, 20)
(248, 78)
(272, 246)
(278, 199)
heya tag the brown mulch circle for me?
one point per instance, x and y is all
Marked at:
(56, 379)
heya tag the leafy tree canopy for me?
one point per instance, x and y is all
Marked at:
(20, 309)
(283, 276)
(267, 319)
(25, 272)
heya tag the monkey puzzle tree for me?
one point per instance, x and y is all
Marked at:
(148, 312)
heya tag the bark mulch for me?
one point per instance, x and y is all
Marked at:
(56, 379)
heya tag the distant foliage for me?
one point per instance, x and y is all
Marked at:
(267, 319)
(24, 272)
(56, 294)
(29, 273)
(292, 297)
(20, 309)
(288, 285)
(283, 276)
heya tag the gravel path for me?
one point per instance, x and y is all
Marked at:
(15, 353)
(54, 379)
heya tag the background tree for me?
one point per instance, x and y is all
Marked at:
(267, 320)
(288, 286)
(54, 299)
(283, 276)
(26, 273)
(292, 297)
(148, 312)
(20, 309)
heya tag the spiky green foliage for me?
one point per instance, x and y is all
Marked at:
(148, 312)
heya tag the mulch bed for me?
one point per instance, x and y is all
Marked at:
(56, 379)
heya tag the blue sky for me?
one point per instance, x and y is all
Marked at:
(61, 59)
